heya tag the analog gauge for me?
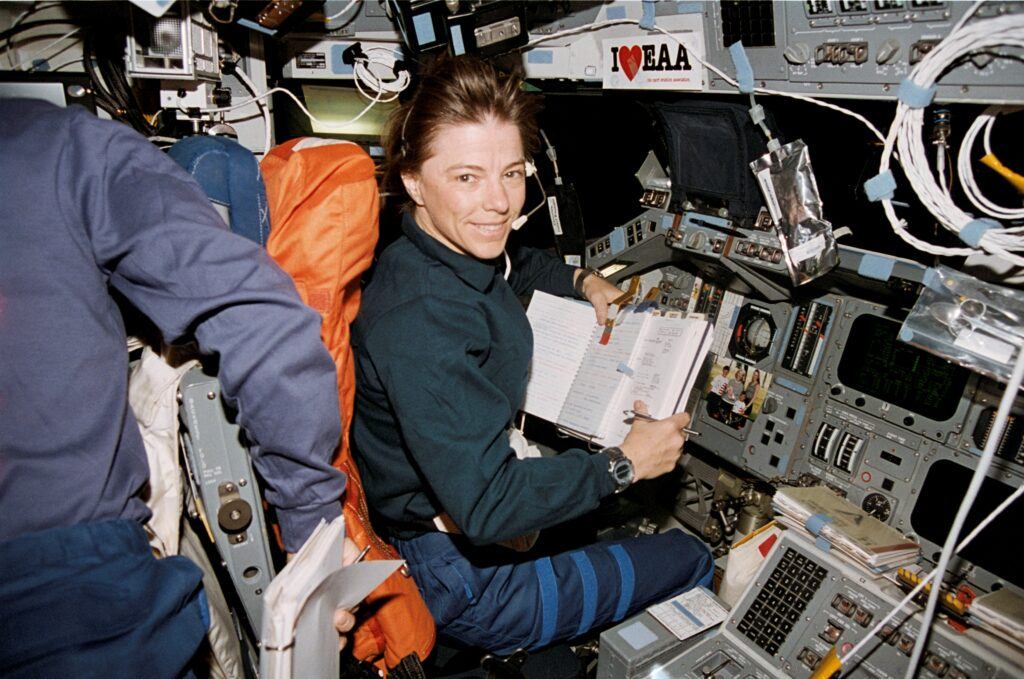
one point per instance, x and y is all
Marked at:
(758, 335)
(753, 334)
(878, 506)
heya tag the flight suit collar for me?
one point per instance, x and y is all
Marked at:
(474, 272)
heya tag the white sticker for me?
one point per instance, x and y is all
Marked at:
(689, 613)
(764, 178)
(657, 62)
(808, 250)
(556, 220)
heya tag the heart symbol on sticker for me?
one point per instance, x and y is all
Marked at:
(629, 60)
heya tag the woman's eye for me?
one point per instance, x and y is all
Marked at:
(465, 178)
(515, 174)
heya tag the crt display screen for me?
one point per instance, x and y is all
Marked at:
(877, 363)
(934, 513)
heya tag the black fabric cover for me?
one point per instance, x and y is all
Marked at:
(708, 146)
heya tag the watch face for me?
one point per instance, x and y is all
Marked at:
(622, 472)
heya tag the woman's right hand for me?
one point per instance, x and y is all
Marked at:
(654, 446)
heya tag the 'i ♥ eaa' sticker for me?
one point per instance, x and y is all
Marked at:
(655, 62)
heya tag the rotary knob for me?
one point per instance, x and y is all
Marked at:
(797, 53)
(887, 51)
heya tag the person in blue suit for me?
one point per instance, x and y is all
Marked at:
(443, 350)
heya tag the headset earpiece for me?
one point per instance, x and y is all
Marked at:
(531, 169)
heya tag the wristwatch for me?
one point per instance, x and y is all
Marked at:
(620, 468)
(577, 284)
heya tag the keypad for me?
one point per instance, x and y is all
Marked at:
(783, 598)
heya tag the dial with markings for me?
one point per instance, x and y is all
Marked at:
(878, 506)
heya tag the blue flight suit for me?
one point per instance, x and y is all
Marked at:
(443, 350)
(89, 206)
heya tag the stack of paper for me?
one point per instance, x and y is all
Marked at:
(1001, 613)
(298, 637)
(846, 527)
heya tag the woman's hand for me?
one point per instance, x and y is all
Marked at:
(345, 620)
(654, 446)
(599, 292)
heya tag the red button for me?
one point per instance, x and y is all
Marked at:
(866, 477)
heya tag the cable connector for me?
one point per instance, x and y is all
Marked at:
(757, 114)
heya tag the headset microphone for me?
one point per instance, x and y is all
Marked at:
(531, 171)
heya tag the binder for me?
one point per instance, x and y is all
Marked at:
(584, 386)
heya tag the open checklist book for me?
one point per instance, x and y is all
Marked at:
(585, 386)
(298, 638)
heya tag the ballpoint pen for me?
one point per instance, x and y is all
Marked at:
(648, 418)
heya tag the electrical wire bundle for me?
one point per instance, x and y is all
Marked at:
(368, 79)
(104, 63)
(905, 138)
(985, 121)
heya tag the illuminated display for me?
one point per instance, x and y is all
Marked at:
(877, 363)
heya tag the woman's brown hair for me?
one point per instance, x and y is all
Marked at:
(452, 91)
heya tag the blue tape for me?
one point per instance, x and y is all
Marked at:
(616, 13)
(628, 580)
(972, 233)
(338, 65)
(792, 386)
(625, 370)
(876, 266)
(638, 635)
(252, 25)
(589, 580)
(666, 221)
(915, 96)
(822, 544)
(815, 523)
(686, 611)
(617, 240)
(744, 72)
(880, 186)
(647, 20)
(537, 56)
(423, 28)
(548, 599)
(931, 279)
(689, 7)
(458, 44)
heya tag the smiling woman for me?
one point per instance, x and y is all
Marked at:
(443, 349)
(473, 186)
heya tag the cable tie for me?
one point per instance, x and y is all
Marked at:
(914, 95)
(880, 187)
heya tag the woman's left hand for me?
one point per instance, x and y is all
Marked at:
(345, 620)
(599, 293)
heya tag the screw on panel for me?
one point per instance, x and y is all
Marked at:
(211, 395)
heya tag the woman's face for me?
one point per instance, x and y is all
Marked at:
(468, 192)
